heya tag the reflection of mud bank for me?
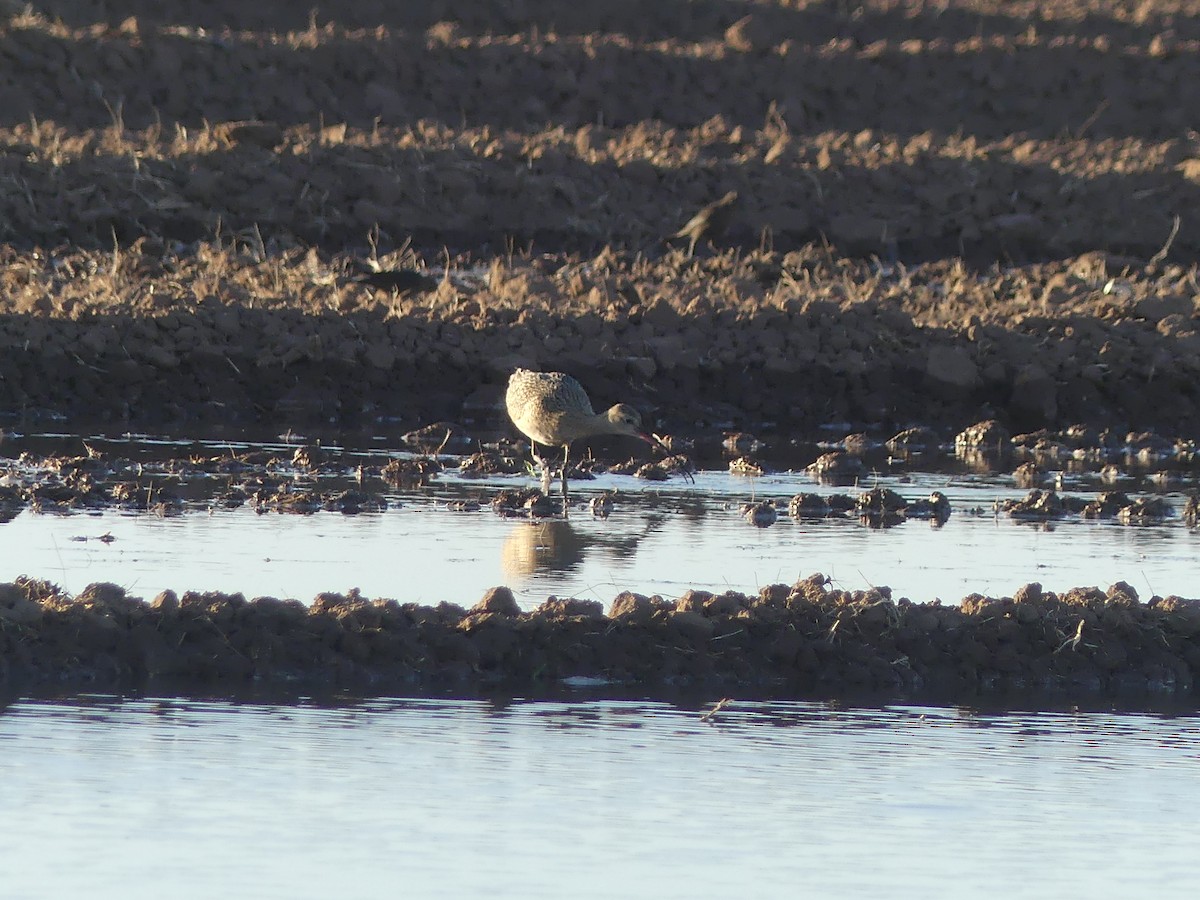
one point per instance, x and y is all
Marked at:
(802, 639)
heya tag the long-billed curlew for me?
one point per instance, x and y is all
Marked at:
(711, 222)
(553, 409)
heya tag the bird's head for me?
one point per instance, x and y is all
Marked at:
(624, 419)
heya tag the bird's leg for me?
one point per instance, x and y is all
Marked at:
(543, 469)
(543, 465)
(533, 452)
(566, 454)
(691, 247)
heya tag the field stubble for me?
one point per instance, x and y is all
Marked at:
(944, 213)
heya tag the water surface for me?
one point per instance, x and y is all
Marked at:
(661, 538)
(657, 541)
(154, 797)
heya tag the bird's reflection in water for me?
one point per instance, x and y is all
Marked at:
(550, 545)
(555, 546)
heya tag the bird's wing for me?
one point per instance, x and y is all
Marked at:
(562, 393)
(695, 223)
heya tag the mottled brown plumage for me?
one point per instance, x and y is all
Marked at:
(711, 222)
(553, 409)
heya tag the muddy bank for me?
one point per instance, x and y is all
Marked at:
(159, 336)
(801, 639)
(1121, 477)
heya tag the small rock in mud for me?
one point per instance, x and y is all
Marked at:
(1106, 504)
(936, 507)
(857, 443)
(679, 464)
(525, 502)
(631, 606)
(880, 500)
(569, 608)
(880, 507)
(1037, 504)
(585, 469)
(913, 440)
(408, 473)
(1114, 474)
(761, 514)
(1165, 480)
(1144, 511)
(288, 500)
(1030, 475)
(988, 433)
(745, 467)
(488, 462)
(352, 502)
(498, 600)
(652, 471)
(808, 506)
(835, 465)
(628, 467)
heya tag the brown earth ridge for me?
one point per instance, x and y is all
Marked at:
(946, 212)
(805, 639)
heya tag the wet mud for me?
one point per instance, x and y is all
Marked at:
(802, 639)
(1075, 472)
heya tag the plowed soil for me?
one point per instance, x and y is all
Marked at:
(946, 211)
(800, 640)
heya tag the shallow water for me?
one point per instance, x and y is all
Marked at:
(661, 538)
(155, 797)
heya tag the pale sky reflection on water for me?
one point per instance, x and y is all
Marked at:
(151, 797)
(657, 541)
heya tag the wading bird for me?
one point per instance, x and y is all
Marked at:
(711, 222)
(553, 409)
